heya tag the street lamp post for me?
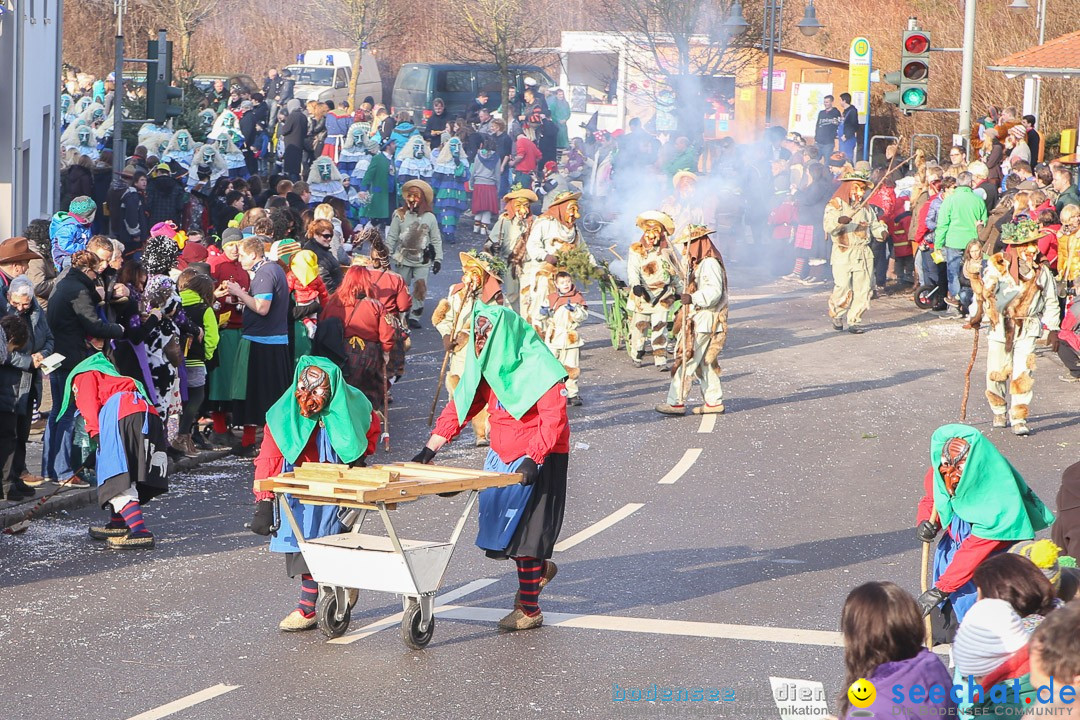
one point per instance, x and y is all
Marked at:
(1019, 6)
(736, 24)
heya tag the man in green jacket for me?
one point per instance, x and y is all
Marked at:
(961, 215)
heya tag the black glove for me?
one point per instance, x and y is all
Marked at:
(927, 531)
(264, 517)
(843, 220)
(425, 456)
(686, 300)
(931, 599)
(641, 291)
(529, 471)
(436, 267)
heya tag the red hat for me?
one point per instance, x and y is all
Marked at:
(550, 166)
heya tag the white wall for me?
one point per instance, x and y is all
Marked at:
(29, 91)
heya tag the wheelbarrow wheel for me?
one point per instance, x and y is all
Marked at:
(924, 297)
(325, 610)
(592, 222)
(410, 628)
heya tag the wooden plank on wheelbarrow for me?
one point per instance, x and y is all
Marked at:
(418, 470)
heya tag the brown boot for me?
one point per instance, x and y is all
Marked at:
(518, 620)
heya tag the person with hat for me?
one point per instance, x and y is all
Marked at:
(511, 374)
(452, 317)
(684, 206)
(553, 184)
(415, 243)
(15, 257)
(135, 220)
(562, 312)
(318, 419)
(553, 232)
(1020, 299)
(226, 268)
(165, 196)
(70, 231)
(985, 506)
(653, 279)
(851, 226)
(507, 239)
(705, 307)
(377, 186)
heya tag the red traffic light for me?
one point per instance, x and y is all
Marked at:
(917, 43)
(916, 70)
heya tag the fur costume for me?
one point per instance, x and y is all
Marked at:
(562, 314)
(93, 114)
(206, 155)
(226, 147)
(1020, 299)
(651, 267)
(852, 259)
(174, 153)
(149, 130)
(551, 232)
(357, 150)
(227, 122)
(324, 180)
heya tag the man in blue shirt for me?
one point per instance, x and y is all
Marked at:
(264, 338)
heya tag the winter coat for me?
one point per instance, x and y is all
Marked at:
(18, 375)
(165, 200)
(329, 268)
(68, 236)
(77, 181)
(293, 131)
(72, 317)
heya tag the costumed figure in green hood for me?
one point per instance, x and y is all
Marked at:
(320, 419)
(132, 466)
(511, 374)
(985, 506)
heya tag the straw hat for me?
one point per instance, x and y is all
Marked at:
(521, 194)
(656, 216)
(422, 187)
(564, 197)
(480, 261)
(694, 232)
(857, 176)
(683, 175)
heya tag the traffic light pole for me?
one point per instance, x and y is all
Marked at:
(119, 151)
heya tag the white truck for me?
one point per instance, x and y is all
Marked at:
(327, 75)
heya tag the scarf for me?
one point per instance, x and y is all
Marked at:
(346, 417)
(556, 300)
(516, 364)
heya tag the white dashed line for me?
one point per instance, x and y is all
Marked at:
(621, 514)
(708, 422)
(184, 703)
(394, 620)
(688, 459)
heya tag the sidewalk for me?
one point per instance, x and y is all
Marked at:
(70, 498)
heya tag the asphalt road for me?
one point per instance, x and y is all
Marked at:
(732, 572)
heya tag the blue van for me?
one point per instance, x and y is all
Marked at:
(418, 84)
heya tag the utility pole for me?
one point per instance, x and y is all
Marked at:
(967, 68)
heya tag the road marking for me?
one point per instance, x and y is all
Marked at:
(621, 514)
(596, 315)
(688, 459)
(686, 628)
(184, 703)
(395, 619)
(708, 422)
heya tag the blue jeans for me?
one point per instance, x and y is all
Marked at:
(59, 432)
(954, 261)
(847, 146)
(928, 274)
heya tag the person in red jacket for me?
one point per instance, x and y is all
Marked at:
(131, 463)
(392, 291)
(513, 375)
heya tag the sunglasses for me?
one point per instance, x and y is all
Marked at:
(326, 235)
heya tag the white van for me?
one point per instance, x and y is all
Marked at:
(325, 75)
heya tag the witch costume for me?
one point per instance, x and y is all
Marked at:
(520, 383)
(320, 419)
(985, 506)
(132, 466)
(449, 180)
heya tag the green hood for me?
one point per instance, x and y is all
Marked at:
(95, 363)
(346, 419)
(515, 362)
(991, 495)
(190, 297)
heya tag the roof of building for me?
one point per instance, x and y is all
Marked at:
(1059, 57)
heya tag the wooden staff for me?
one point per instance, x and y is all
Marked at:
(687, 349)
(888, 172)
(925, 585)
(470, 294)
(967, 375)
(21, 525)
(386, 405)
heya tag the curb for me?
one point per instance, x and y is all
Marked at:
(76, 498)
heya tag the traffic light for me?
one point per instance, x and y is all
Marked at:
(913, 77)
(160, 93)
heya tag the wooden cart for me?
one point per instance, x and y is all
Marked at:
(358, 561)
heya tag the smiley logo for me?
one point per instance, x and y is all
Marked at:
(862, 693)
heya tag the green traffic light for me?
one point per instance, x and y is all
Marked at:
(914, 97)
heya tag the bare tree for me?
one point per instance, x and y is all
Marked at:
(676, 43)
(182, 19)
(361, 23)
(503, 32)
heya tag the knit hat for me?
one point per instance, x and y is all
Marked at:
(160, 255)
(283, 250)
(1018, 132)
(990, 633)
(1044, 553)
(84, 209)
(232, 234)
